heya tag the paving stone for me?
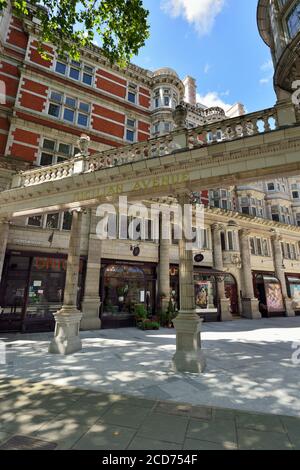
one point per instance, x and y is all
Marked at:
(64, 431)
(219, 413)
(142, 443)
(194, 444)
(103, 436)
(23, 423)
(292, 426)
(4, 436)
(218, 431)
(125, 415)
(201, 412)
(249, 439)
(173, 408)
(259, 422)
(164, 427)
(26, 443)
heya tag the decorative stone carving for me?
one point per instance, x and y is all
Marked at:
(83, 144)
(179, 116)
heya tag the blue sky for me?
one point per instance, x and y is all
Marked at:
(216, 42)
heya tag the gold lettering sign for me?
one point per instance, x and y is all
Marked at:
(144, 184)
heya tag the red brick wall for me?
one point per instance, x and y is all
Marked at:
(35, 57)
(24, 145)
(16, 35)
(110, 87)
(108, 127)
(9, 75)
(108, 113)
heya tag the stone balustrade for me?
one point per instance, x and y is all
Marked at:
(234, 128)
(180, 139)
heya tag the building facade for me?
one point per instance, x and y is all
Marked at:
(250, 244)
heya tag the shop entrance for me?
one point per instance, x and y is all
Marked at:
(123, 287)
(269, 293)
(206, 291)
(32, 291)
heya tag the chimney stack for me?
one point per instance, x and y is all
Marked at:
(190, 90)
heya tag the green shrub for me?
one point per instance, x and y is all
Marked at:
(140, 312)
(149, 325)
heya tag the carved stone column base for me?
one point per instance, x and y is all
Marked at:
(188, 356)
(66, 336)
(289, 310)
(225, 310)
(90, 311)
(250, 309)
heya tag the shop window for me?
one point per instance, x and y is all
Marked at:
(52, 221)
(67, 221)
(35, 221)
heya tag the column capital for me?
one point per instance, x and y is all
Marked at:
(244, 233)
(275, 236)
(184, 197)
(218, 228)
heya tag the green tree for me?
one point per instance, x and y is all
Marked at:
(120, 26)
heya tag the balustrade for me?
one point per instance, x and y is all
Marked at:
(225, 130)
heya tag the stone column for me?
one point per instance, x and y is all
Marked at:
(279, 272)
(66, 336)
(218, 264)
(4, 230)
(164, 270)
(188, 357)
(91, 301)
(250, 305)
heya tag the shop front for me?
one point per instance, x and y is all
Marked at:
(32, 289)
(268, 290)
(293, 288)
(124, 286)
(206, 291)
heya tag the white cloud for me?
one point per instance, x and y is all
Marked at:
(268, 69)
(213, 98)
(207, 68)
(200, 13)
(265, 81)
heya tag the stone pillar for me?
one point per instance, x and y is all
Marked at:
(279, 272)
(250, 305)
(164, 270)
(91, 301)
(218, 264)
(188, 357)
(66, 336)
(4, 230)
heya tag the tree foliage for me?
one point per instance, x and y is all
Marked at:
(119, 26)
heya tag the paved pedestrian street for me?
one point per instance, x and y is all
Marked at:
(43, 415)
(120, 392)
